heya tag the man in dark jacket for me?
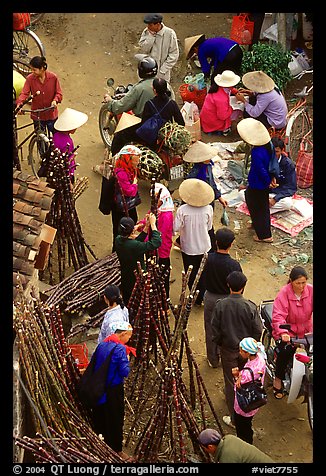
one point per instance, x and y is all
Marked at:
(218, 266)
(234, 318)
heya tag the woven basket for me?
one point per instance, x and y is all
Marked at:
(195, 95)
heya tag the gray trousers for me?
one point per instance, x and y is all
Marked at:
(230, 359)
(212, 349)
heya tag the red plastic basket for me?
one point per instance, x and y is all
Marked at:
(195, 95)
(21, 21)
(80, 354)
(242, 29)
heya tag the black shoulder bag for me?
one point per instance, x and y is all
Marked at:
(92, 384)
(251, 395)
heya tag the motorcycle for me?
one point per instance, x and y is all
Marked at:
(298, 380)
(171, 170)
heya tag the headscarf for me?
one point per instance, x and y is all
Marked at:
(123, 159)
(250, 345)
(114, 338)
(165, 196)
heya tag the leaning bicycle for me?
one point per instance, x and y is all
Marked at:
(39, 139)
(26, 45)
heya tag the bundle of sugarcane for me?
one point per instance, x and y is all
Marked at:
(81, 184)
(175, 138)
(48, 376)
(85, 287)
(48, 367)
(71, 244)
(155, 386)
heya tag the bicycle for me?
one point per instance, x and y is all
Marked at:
(36, 18)
(299, 123)
(26, 45)
(39, 140)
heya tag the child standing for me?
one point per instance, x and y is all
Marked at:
(116, 312)
(254, 352)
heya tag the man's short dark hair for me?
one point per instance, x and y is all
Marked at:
(224, 238)
(236, 280)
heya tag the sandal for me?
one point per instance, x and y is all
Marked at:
(278, 393)
(264, 240)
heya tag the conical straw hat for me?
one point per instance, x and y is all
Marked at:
(127, 120)
(196, 193)
(199, 152)
(253, 132)
(258, 81)
(70, 119)
(189, 43)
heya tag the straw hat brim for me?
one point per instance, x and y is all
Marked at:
(196, 193)
(258, 81)
(253, 131)
(226, 83)
(189, 43)
(199, 152)
(70, 119)
(127, 120)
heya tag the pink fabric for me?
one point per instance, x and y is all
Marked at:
(287, 309)
(256, 365)
(128, 188)
(164, 225)
(215, 114)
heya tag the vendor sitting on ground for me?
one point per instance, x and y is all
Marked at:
(281, 196)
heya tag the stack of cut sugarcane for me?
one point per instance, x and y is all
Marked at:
(85, 287)
(48, 376)
(71, 245)
(168, 413)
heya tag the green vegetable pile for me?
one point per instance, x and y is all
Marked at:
(270, 58)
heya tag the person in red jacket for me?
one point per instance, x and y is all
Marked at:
(46, 90)
(215, 115)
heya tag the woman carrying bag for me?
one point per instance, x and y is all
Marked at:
(126, 193)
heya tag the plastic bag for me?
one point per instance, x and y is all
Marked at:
(225, 220)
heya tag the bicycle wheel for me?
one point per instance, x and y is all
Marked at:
(26, 45)
(299, 124)
(107, 125)
(36, 17)
(22, 67)
(37, 149)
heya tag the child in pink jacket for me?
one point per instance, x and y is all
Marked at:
(293, 305)
(165, 209)
(215, 115)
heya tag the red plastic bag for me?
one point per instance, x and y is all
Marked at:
(21, 21)
(242, 29)
(304, 164)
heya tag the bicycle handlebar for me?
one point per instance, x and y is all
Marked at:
(39, 110)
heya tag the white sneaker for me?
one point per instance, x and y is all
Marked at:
(227, 420)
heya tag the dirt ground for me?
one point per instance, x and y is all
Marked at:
(85, 49)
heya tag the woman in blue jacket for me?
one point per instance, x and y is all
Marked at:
(108, 414)
(260, 181)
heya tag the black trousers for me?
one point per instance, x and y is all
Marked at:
(232, 61)
(195, 260)
(109, 417)
(258, 205)
(243, 426)
(285, 352)
(167, 263)
(124, 137)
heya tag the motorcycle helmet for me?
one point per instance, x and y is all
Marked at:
(147, 67)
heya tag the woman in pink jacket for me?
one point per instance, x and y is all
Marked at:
(215, 115)
(293, 305)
